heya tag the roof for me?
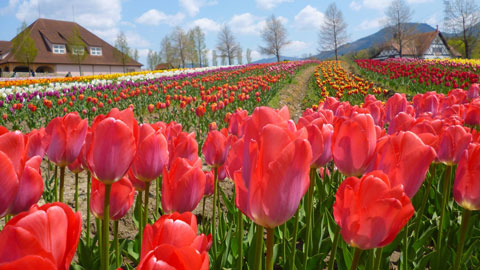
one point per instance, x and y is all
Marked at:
(46, 31)
(418, 44)
(4, 46)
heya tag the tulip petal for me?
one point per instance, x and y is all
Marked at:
(9, 183)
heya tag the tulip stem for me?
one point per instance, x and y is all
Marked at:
(117, 246)
(55, 184)
(405, 248)
(294, 239)
(140, 220)
(424, 201)
(356, 259)
(309, 216)
(105, 232)
(62, 179)
(203, 213)
(284, 242)
(445, 193)
(259, 248)
(333, 252)
(214, 217)
(100, 239)
(270, 243)
(88, 208)
(145, 210)
(378, 258)
(240, 239)
(157, 197)
(76, 192)
(463, 233)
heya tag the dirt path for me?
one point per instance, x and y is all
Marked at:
(293, 94)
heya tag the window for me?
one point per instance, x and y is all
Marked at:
(96, 51)
(59, 48)
(78, 50)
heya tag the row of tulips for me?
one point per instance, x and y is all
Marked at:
(333, 80)
(418, 76)
(193, 99)
(359, 172)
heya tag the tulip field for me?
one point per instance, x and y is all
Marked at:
(213, 178)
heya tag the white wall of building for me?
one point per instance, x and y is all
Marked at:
(91, 69)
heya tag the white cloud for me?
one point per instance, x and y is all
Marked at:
(309, 18)
(247, 24)
(136, 41)
(256, 55)
(11, 5)
(269, 4)
(296, 45)
(433, 20)
(207, 25)
(371, 24)
(91, 14)
(355, 5)
(376, 4)
(418, 1)
(156, 17)
(193, 6)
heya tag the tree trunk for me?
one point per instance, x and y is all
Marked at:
(278, 57)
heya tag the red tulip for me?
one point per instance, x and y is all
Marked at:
(170, 257)
(111, 150)
(152, 154)
(275, 172)
(37, 143)
(179, 230)
(215, 148)
(137, 184)
(369, 211)
(21, 181)
(183, 146)
(473, 91)
(183, 186)
(45, 237)
(472, 115)
(76, 166)
(395, 105)
(466, 188)
(454, 140)
(66, 136)
(353, 144)
(121, 198)
(209, 183)
(405, 159)
(236, 122)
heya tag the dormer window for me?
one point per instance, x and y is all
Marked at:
(59, 48)
(78, 50)
(96, 51)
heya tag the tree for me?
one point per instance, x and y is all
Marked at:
(23, 47)
(239, 56)
(204, 62)
(192, 54)
(167, 52)
(76, 48)
(223, 60)
(153, 59)
(180, 45)
(274, 35)
(199, 44)
(214, 58)
(122, 52)
(333, 31)
(227, 46)
(398, 15)
(249, 56)
(135, 55)
(462, 18)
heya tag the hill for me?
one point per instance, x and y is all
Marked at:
(274, 59)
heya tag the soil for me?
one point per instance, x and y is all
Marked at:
(293, 94)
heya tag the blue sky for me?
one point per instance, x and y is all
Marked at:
(145, 23)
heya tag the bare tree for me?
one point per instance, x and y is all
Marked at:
(180, 44)
(239, 56)
(274, 35)
(167, 51)
(135, 55)
(192, 55)
(204, 62)
(462, 18)
(398, 15)
(333, 32)
(214, 58)
(122, 52)
(227, 46)
(23, 47)
(77, 48)
(249, 56)
(153, 59)
(199, 44)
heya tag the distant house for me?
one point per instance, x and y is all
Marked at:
(50, 37)
(163, 66)
(429, 45)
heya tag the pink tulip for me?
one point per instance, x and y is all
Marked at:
(37, 143)
(183, 186)
(454, 140)
(121, 198)
(353, 144)
(66, 136)
(395, 105)
(215, 148)
(183, 146)
(466, 189)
